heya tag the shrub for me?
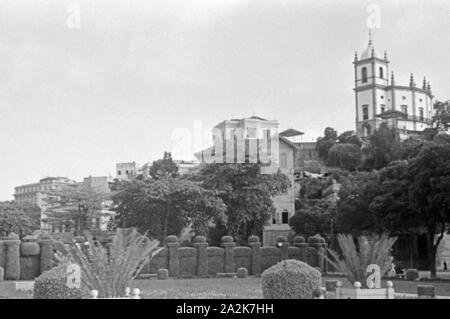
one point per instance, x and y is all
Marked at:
(290, 279)
(163, 274)
(412, 274)
(242, 272)
(111, 270)
(375, 249)
(52, 285)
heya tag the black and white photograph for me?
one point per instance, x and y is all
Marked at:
(224, 154)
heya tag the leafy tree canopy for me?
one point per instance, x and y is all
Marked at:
(21, 219)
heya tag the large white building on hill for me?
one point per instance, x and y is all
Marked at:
(379, 99)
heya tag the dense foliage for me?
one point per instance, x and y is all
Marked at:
(166, 205)
(111, 270)
(374, 249)
(314, 216)
(52, 285)
(290, 279)
(20, 219)
(247, 195)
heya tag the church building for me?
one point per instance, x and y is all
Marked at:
(378, 99)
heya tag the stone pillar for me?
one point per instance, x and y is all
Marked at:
(172, 244)
(299, 242)
(202, 258)
(283, 245)
(2, 254)
(46, 245)
(12, 262)
(255, 245)
(228, 245)
(318, 243)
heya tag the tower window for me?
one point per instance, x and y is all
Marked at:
(421, 113)
(119, 172)
(284, 217)
(367, 130)
(405, 109)
(365, 110)
(381, 73)
(383, 108)
(364, 74)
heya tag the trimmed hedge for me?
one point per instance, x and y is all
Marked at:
(290, 279)
(52, 285)
(242, 272)
(412, 274)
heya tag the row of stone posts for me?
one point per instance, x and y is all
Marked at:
(12, 249)
(171, 242)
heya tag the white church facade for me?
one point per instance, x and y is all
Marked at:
(379, 99)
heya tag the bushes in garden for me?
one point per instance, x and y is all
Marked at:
(52, 285)
(412, 274)
(290, 279)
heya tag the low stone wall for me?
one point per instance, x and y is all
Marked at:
(202, 260)
(25, 259)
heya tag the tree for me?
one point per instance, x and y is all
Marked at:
(246, 193)
(75, 207)
(314, 216)
(324, 143)
(166, 205)
(429, 194)
(164, 166)
(349, 137)
(413, 195)
(21, 219)
(345, 156)
(384, 147)
(353, 210)
(441, 118)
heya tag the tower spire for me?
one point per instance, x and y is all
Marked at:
(370, 38)
(424, 86)
(392, 78)
(411, 81)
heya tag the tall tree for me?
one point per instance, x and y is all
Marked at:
(349, 137)
(75, 207)
(246, 193)
(166, 205)
(441, 118)
(164, 166)
(345, 156)
(325, 142)
(384, 147)
(314, 216)
(21, 219)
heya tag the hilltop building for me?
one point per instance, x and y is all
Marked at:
(378, 99)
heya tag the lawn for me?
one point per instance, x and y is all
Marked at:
(221, 288)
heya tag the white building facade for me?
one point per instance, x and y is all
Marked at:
(377, 93)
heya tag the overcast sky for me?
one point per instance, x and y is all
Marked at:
(136, 74)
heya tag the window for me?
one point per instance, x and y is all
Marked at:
(405, 109)
(283, 160)
(367, 130)
(421, 113)
(119, 172)
(382, 97)
(127, 172)
(381, 73)
(285, 217)
(364, 74)
(383, 108)
(365, 110)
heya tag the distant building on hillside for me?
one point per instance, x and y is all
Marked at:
(256, 140)
(126, 171)
(408, 109)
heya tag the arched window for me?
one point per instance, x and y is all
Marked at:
(364, 74)
(381, 73)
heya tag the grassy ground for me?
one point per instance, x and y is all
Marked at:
(221, 288)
